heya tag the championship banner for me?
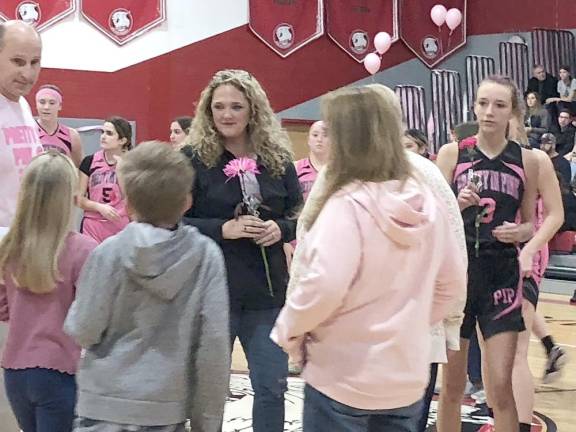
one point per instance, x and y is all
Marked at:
(286, 25)
(39, 13)
(124, 20)
(352, 24)
(433, 41)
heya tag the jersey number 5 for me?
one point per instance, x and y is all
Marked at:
(106, 195)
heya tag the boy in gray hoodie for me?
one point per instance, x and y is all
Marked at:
(152, 311)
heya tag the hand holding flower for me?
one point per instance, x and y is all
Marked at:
(270, 235)
(468, 196)
(243, 227)
(250, 226)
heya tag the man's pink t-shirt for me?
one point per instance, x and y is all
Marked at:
(19, 143)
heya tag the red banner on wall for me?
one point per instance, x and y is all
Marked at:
(430, 43)
(352, 24)
(124, 20)
(286, 25)
(39, 13)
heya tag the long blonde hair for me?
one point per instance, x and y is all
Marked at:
(265, 134)
(365, 130)
(30, 250)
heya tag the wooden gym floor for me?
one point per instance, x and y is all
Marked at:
(557, 401)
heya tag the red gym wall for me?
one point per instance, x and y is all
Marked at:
(155, 91)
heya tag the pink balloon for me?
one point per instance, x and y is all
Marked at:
(382, 42)
(438, 15)
(372, 63)
(453, 18)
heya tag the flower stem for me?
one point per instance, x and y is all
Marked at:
(477, 242)
(267, 268)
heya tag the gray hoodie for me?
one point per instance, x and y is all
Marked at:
(152, 312)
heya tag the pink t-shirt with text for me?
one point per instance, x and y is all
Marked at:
(19, 143)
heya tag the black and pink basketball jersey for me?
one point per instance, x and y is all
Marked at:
(502, 188)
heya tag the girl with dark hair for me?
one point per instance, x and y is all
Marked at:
(567, 90)
(100, 195)
(179, 129)
(416, 141)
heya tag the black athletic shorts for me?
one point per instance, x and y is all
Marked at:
(531, 291)
(494, 294)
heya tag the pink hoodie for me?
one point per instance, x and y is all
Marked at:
(381, 265)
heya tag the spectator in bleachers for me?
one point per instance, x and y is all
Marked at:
(537, 120)
(565, 135)
(566, 88)
(563, 172)
(542, 83)
(561, 165)
(571, 158)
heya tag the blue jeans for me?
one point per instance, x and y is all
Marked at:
(267, 363)
(427, 401)
(42, 400)
(323, 414)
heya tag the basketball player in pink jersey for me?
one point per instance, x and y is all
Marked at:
(100, 194)
(53, 134)
(308, 168)
(20, 53)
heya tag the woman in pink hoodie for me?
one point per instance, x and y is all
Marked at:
(382, 266)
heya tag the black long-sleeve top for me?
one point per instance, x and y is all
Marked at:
(546, 89)
(215, 198)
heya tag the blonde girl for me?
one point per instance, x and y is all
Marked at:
(40, 261)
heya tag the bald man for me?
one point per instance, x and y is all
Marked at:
(20, 53)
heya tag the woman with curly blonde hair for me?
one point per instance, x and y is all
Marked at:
(263, 131)
(245, 197)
